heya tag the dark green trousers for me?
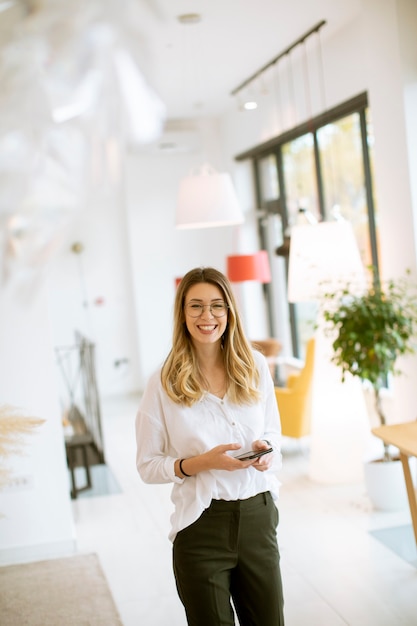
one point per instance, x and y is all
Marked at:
(231, 552)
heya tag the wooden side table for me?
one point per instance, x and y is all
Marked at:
(270, 348)
(404, 437)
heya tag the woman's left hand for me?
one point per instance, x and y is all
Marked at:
(263, 462)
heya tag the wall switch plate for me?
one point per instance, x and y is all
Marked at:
(22, 482)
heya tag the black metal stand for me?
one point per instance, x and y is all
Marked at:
(84, 446)
(73, 445)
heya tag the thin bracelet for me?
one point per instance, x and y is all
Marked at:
(182, 471)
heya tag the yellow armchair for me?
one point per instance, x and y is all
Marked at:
(295, 400)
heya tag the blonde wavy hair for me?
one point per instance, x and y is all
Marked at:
(181, 375)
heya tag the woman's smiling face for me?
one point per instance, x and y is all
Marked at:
(206, 328)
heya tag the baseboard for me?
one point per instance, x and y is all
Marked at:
(38, 552)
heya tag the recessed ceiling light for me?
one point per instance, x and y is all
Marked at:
(250, 105)
(189, 18)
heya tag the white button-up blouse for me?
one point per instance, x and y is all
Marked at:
(166, 431)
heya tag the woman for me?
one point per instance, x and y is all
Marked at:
(212, 400)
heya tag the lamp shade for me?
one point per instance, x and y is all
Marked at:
(206, 199)
(322, 255)
(242, 267)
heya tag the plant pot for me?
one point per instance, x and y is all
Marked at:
(385, 484)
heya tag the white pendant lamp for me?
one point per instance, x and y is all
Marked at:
(206, 198)
(323, 256)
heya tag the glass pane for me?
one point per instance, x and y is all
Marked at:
(342, 169)
(306, 319)
(300, 177)
(268, 175)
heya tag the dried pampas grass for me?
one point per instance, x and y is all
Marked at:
(15, 425)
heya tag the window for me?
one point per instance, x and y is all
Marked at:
(300, 177)
(323, 167)
(342, 172)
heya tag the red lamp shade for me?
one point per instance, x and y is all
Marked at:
(242, 267)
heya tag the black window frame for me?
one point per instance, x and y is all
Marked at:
(359, 105)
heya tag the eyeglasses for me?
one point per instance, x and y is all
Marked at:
(217, 309)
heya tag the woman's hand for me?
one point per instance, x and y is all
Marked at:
(216, 458)
(264, 462)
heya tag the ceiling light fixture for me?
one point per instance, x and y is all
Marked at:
(206, 198)
(250, 105)
(323, 257)
(250, 81)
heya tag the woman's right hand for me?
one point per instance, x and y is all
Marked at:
(216, 458)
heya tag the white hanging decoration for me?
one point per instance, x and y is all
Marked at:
(144, 110)
(70, 86)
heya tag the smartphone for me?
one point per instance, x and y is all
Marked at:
(252, 454)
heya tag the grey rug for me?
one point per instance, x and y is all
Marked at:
(103, 481)
(72, 591)
(400, 540)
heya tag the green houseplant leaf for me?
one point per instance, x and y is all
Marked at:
(370, 330)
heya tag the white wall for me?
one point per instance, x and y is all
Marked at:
(35, 518)
(160, 253)
(92, 292)
(38, 314)
(389, 33)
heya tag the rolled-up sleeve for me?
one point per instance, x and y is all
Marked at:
(272, 432)
(154, 462)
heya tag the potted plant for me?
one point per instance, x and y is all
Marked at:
(370, 329)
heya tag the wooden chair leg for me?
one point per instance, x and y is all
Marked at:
(412, 500)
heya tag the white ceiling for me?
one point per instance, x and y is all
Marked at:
(194, 68)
